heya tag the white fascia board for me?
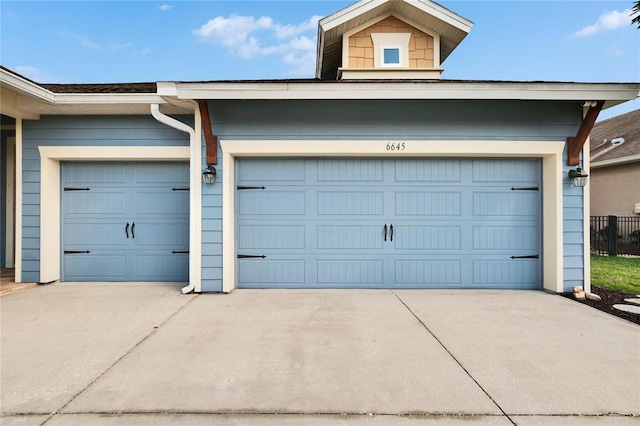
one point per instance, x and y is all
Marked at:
(616, 161)
(348, 13)
(441, 90)
(107, 98)
(364, 6)
(22, 86)
(167, 88)
(443, 14)
(94, 99)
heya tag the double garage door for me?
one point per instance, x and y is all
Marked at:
(388, 223)
(125, 221)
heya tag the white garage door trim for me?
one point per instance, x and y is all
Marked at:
(50, 158)
(549, 151)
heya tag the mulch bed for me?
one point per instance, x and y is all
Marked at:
(609, 298)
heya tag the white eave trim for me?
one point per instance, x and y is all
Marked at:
(616, 161)
(364, 6)
(613, 92)
(20, 85)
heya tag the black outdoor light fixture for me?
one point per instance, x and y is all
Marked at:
(578, 177)
(209, 175)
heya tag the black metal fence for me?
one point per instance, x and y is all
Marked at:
(615, 236)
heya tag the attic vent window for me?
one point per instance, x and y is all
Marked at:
(391, 56)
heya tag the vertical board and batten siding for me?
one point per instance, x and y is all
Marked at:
(392, 120)
(77, 131)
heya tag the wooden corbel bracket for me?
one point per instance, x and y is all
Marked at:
(210, 140)
(575, 144)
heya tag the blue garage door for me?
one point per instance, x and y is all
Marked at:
(125, 221)
(379, 223)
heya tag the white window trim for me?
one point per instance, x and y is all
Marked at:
(550, 152)
(401, 58)
(383, 41)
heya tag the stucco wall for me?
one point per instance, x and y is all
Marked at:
(615, 189)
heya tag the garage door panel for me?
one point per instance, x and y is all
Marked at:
(94, 203)
(423, 203)
(505, 204)
(100, 234)
(96, 173)
(349, 237)
(162, 174)
(427, 170)
(95, 266)
(161, 267)
(350, 170)
(512, 273)
(271, 170)
(162, 202)
(505, 170)
(278, 237)
(264, 203)
(515, 237)
(435, 273)
(171, 234)
(350, 203)
(434, 237)
(349, 273)
(270, 272)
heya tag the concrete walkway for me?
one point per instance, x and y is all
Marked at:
(112, 354)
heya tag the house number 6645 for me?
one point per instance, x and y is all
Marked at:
(395, 146)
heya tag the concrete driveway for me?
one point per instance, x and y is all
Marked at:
(106, 354)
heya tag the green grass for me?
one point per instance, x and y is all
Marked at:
(616, 273)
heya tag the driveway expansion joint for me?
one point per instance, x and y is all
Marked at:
(453, 357)
(153, 331)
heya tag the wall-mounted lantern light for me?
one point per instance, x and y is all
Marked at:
(578, 177)
(209, 175)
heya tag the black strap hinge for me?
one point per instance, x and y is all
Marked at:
(528, 188)
(77, 189)
(180, 252)
(533, 256)
(179, 189)
(77, 252)
(251, 256)
(250, 187)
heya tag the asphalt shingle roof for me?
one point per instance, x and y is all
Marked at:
(626, 126)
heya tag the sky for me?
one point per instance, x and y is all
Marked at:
(147, 41)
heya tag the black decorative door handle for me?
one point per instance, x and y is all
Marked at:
(133, 234)
(385, 232)
(126, 229)
(391, 227)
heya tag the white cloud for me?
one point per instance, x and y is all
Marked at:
(248, 37)
(608, 21)
(165, 7)
(12, 15)
(39, 75)
(88, 43)
(614, 50)
(145, 51)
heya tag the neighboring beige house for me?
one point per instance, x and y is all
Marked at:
(615, 166)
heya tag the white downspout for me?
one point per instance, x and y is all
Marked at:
(194, 179)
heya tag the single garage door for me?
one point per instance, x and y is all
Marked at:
(388, 223)
(125, 221)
